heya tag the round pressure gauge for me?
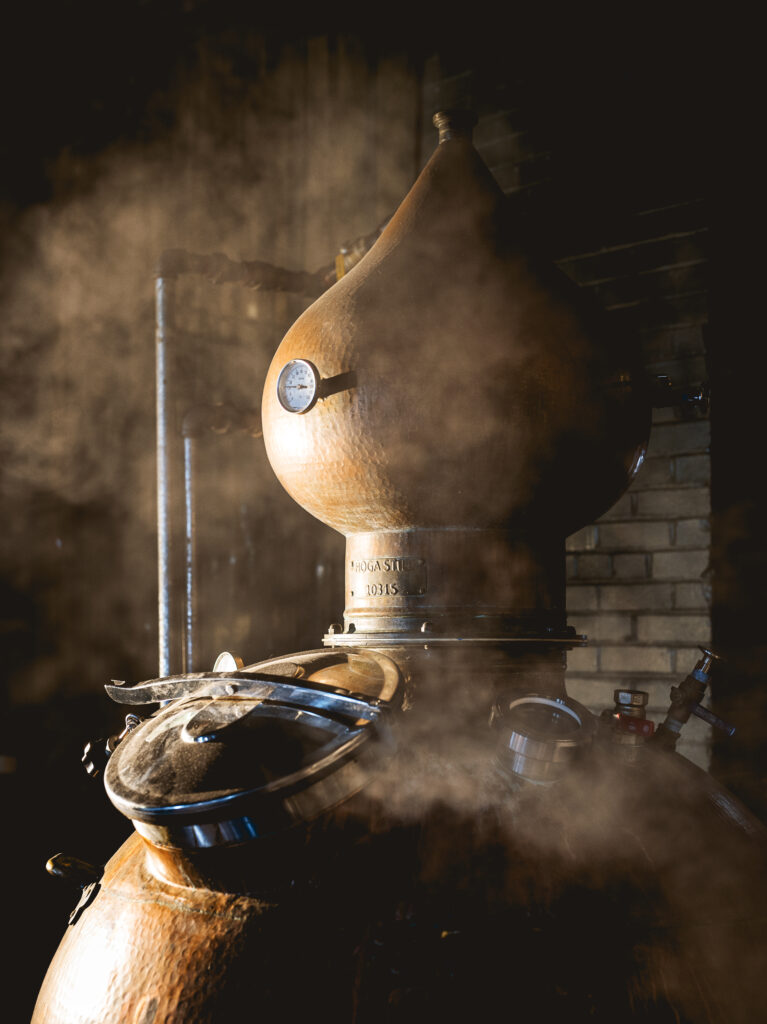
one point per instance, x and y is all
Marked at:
(298, 385)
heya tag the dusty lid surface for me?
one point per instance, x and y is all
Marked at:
(237, 746)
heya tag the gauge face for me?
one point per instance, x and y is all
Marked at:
(298, 385)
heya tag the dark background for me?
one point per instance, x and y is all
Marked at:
(631, 101)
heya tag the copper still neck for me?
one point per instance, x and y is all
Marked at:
(448, 584)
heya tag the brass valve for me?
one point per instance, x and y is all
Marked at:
(685, 701)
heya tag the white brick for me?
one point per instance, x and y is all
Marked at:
(583, 659)
(692, 595)
(642, 536)
(681, 565)
(632, 566)
(692, 469)
(624, 658)
(679, 503)
(673, 438)
(693, 533)
(594, 567)
(582, 598)
(635, 597)
(673, 629)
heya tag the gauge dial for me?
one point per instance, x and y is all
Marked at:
(298, 385)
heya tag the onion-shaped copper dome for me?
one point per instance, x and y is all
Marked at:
(487, 393)
(463, 383)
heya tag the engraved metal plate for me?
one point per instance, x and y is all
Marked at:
(387, 576)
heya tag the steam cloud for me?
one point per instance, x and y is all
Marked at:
(283, 169)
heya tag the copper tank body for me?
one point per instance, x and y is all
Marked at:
(471, 410)
(651, 909)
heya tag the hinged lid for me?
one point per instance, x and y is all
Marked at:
(243, 755)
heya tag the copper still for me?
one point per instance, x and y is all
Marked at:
(416, 818)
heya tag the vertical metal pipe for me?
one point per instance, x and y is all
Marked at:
(164, 294)
(190, 607)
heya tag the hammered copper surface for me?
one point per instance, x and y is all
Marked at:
(489, 392)
(625, 895)
(145, 951)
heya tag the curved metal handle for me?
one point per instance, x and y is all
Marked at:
(252, 686)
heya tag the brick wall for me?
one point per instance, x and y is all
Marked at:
(637, 581)
(637, 578)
